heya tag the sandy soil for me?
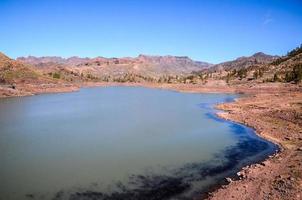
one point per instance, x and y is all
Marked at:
(274, 110)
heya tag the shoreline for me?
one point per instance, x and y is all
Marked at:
(278, 168)
(258, 109)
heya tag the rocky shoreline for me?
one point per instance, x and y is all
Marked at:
(277, 118)
(273, 110)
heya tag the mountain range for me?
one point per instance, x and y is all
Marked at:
(145, 68)
(114, 68)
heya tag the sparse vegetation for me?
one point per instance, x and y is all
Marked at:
(289, 55)
(295, 51)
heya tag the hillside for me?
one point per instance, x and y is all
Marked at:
(19, 79)
(258, 68)
(15, 72)
(244, 62)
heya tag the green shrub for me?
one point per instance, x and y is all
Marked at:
(56, 75)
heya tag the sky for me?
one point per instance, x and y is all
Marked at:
(213, 31)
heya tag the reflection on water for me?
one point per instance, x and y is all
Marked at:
(119, 143)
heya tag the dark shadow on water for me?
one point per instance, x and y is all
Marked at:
(179, 182)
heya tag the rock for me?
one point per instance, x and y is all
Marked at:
(229, 180)
(258, 165)
(299, 149)
(241, 174)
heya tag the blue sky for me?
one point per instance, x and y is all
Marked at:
(212, 31)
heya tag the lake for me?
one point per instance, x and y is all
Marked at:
(120, 143)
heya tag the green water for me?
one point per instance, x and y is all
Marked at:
(94, 138)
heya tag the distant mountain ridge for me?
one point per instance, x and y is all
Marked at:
(143, 66)
(141, 57)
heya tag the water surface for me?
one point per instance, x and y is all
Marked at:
(119, 142)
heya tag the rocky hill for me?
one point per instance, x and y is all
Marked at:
(244, 62)
(20, 79)
(14, 72)
(258, 68)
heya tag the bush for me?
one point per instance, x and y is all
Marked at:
(295, 75)
(56, 75)
(276, 78)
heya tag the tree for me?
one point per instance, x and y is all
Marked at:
(234, 72)
(256, 74)
(295, 75)
(242, 73)
(276, 78)
(260, 73)
(295, 51)
(228, 77)
(288, 77)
